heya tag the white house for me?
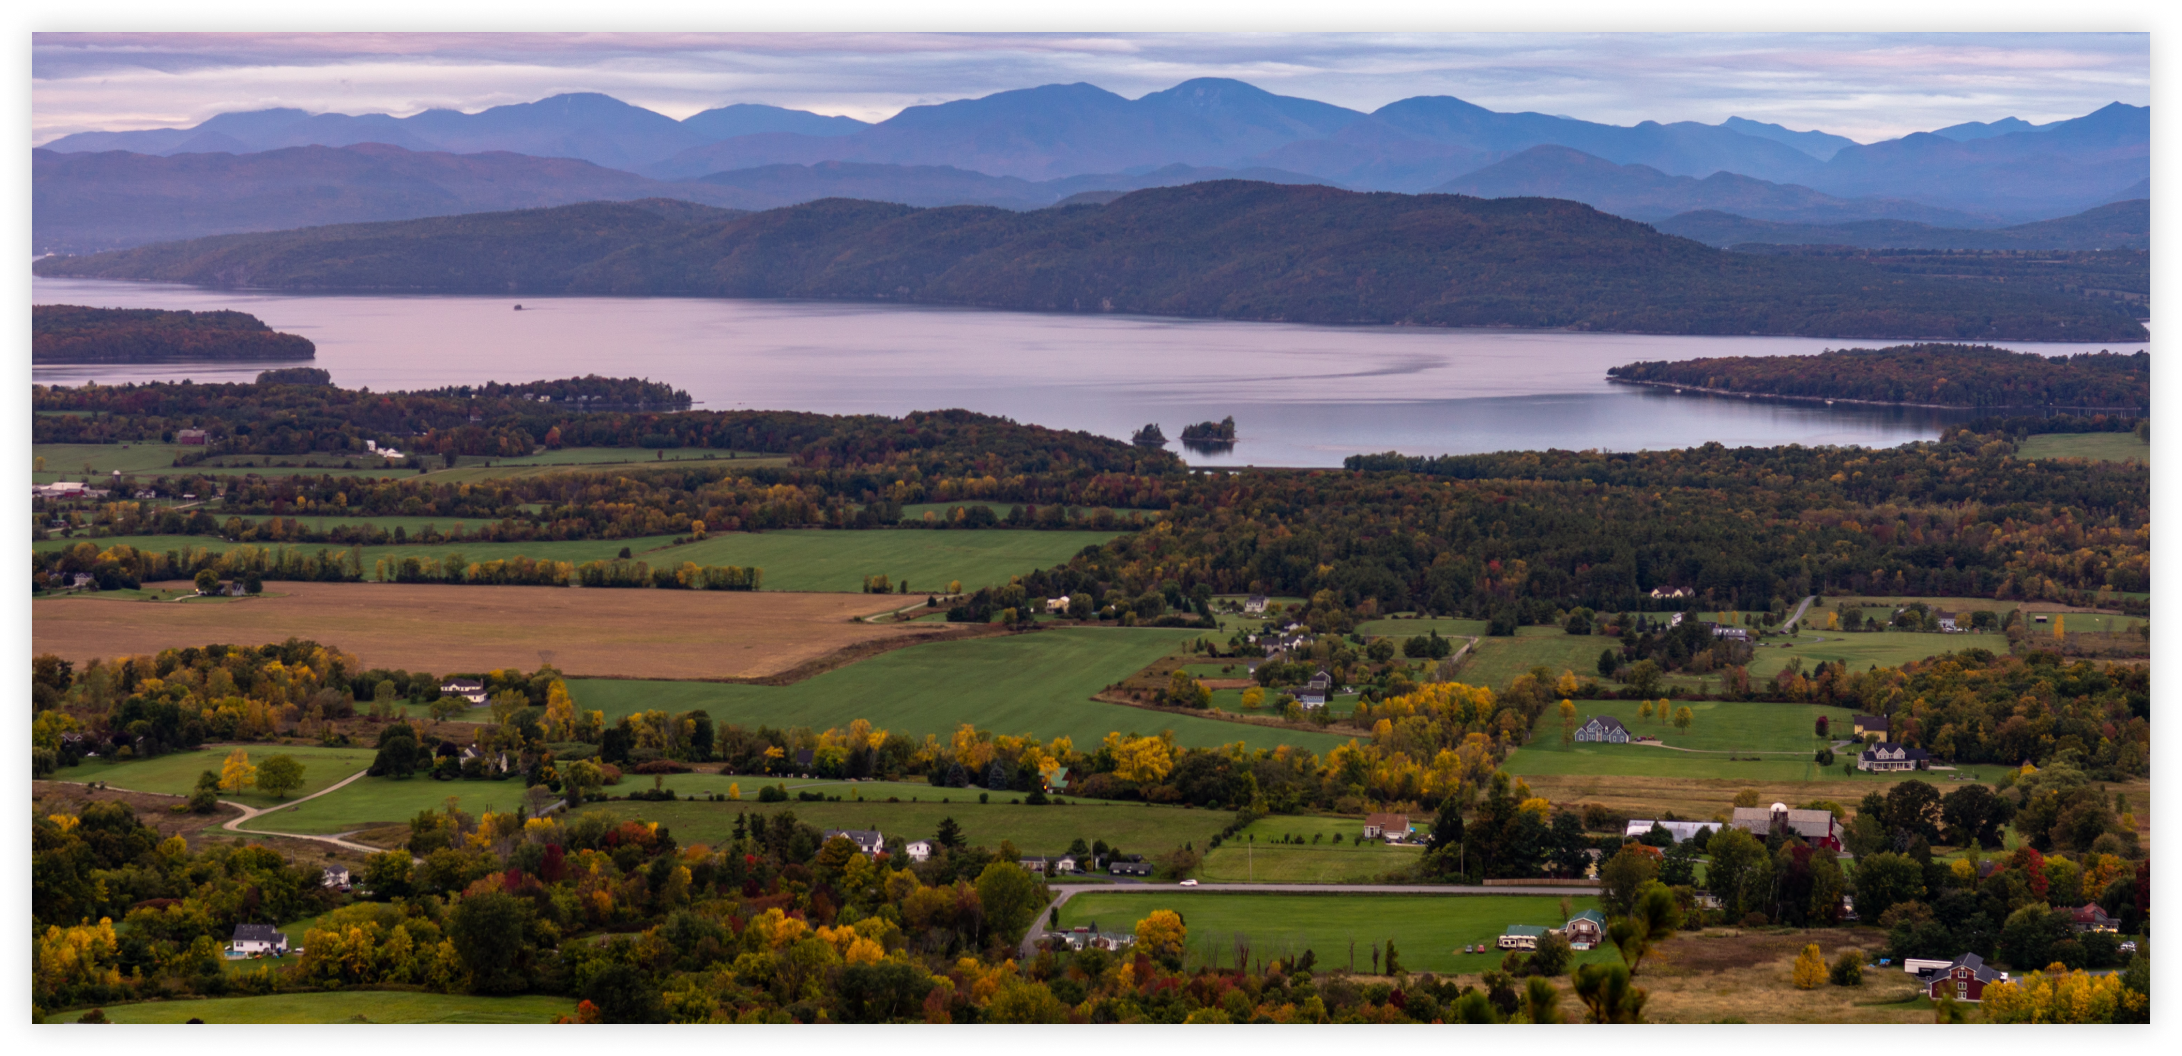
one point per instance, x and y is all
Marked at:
(1603, 729)
(1255, 606)
(1886, 756)
(1388, 827)
(252, 940)
(918, 850)
(469, 689)
(866, 840)
(1059, 604)
(336, 877)
(1521, 936)
(1949, 621)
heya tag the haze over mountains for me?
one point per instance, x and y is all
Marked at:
(1035, 146)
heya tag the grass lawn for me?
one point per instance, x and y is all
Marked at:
(341, 1006)
(1135, 827)
(1033, 683)
(817, 559)
(1496, 662)
(176, 773)
(387, 801)
(1427, 929)
(1720, 728)
(2101, 447)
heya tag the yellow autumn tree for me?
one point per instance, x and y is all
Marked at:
(2059, 625)
(1253, 698)
(1567, 686)
(2059, 997)
(734, 790)
(1683, 716)
(236, 773)
(1810, 972)
(1144, 760)
(1568, 722)
(560, 712)
(1644, 710)
(1162, 935)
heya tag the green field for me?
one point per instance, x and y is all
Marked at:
(2103, 447)
(1496, 662)
(1781, 732)
(176, 773)
(817, 559)
(1447, 628)
(1427, 929)
(387, 801)
(1038, 684)
(1255, 855)
(1135, 827)
(794, 559)
(1862, 650)
(341, 1006)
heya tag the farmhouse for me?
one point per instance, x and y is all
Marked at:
(1870, 724)
(1949, 621)
(469, 689)
(1255, 606)
(1732, 634)
(1814, 827)
(1521, 936)
(1389, 827)
(1603, 729)
(190, 437)
(1138, 867)
(866, 840)
(1585, 930)
(1680, 830)
(2091, 917)
(918, 850)
(254, 939)
(336, 877)
(1059, 604)
(1091, 937)
(1963, 980)
(1883, 757)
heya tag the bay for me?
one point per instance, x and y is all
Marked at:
(1300, 395)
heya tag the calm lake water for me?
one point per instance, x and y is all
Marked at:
(1300, 395)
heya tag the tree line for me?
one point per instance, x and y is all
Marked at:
(1923, 374)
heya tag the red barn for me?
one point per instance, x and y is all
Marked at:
(1963, 980)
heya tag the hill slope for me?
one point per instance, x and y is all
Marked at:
(2120, 225)
(1224, 249)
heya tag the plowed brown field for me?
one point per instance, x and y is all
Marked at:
(588, 633)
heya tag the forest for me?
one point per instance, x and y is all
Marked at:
(1222, 249)
(68, 333)
(1934, 375)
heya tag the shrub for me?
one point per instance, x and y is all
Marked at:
(773, 794)
(661, 766)
(1848, 968)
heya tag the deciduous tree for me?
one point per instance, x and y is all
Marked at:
(280, 775)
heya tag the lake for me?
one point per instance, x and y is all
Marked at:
(1300, 395)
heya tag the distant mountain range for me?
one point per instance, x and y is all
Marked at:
(1641, 192)
(1223, 249)
(2008, 171)
(2120, 225)
(83, 203)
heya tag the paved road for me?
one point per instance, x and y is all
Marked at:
(1789, 625)
(1066, 892)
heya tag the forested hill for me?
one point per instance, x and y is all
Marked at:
(1225, 249)
(1939, 375)
(69, 333)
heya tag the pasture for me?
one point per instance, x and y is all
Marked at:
(818, 559)
(2097, 447)
(1496, 662)
(1863, 650)
(586, 633)
(1347, 862)
(1038, 683)
(175, 773)
(1405, 628)
(1428, 930)
(1783, 733)
(1137, 828)
(341, 1006)
(374, 801)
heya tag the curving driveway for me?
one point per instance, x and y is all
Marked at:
(235, 824)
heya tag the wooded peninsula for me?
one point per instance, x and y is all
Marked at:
(68, 333)
(1225, 249)
(1930, 375)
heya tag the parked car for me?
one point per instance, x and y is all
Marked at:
(1189, 883)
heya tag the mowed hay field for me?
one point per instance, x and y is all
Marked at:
(1038, 683)
(1428, 930)
(1496, 662)
(2102, 447)
(175, 774)
(596, 633)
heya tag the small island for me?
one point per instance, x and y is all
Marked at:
(1919, 375)
(1210, 437)
(68, 333)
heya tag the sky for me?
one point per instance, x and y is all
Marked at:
(1867, 86)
